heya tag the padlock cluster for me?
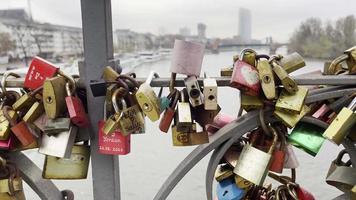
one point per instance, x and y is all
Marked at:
(47, 115)
(265, 85)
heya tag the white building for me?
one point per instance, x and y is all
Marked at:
(244, 29)
(32, 38)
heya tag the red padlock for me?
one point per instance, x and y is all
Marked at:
(20, 130)
(168, 115)
(115, 143)
(8, 144)
(75, 108)
(245, 78)
(304, 194)
(278, 157)
(37, 73)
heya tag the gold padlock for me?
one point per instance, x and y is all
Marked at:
(292, 62)
(11, 187)
(26, 100)
(292, 103)
(108, 101)
(109, 74)
(351, 61)
(288, 83)
(54, 96)
(35, 111)
(249, 103)
(248, 56)
(5, 124)
(226, 71)
(223, 171)
(266, 76)
(290, 120)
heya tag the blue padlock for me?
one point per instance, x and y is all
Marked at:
(228, 190)
(163, 101)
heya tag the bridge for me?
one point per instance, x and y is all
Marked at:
(272, 46)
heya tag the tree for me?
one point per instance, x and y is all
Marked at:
(6, 44)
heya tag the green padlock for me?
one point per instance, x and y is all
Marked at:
(307, 137)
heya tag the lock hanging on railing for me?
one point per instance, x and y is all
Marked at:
(11, 187)
(196, 97)
(75, 107)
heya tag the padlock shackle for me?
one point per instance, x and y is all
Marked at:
(3, 81)
(261, 117)
(70, 80)
(172, 81)
(175, 99)
(338, 159)
(274, 141)
(333, 65)
(129, 78)
(259, 56)
(118, 94)
(150, 77)
(5, 111)
(352, 105)
(36, 91)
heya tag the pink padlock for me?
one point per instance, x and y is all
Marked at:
(8, 144)
(290, 159)
(245, 78)
(187, 58)
(220, 121)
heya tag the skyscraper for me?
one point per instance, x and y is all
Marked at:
(201, 31)
(244, 29)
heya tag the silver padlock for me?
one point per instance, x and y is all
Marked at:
(59, 145)
(253, 164)
(210, 94)
(194, 93)
(183, 115)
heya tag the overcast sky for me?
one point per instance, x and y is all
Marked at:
(276, 18)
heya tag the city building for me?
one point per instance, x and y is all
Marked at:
(32, 38)
(244, 27)
(201, 31)
(184, 31)
(126, 40)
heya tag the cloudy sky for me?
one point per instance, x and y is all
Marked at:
(276, 18)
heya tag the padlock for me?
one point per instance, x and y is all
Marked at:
(303, 194)
(20, 130)
(55, 126)
(288, 83)
(210, 94)
(59, 145)
(148, 100)
(41, 122)
(196, 97)
(291, 62)
(109, 105)
(290, 159)
(232, 154)
(242, 183)
(115, 143)
(245, 78)
(321, 112)
(132, 119)
(266, 76)
(5, 124)
(223, 171)
(26, 101)
(8, 97)
(278, 156)
(349, 56)
(340, 126)
(183, 114)
(163, 100)
(198, 135)
(38, 71)
(253, 164)
(11, 187)
(109, 74)
(112, 123)
(205, 117)
(35, 111)
(75, 107)
(292, 103)
(228, 190)
(351, 60)
(248, 56)
(8, 144)
(168, 115)
(220, 120)
(307, 137)
(74, 167)
(187, 58)
(226, 71)
(180, 138)
(341, 175)
(290, 120)
(54, 96)
(249, 103)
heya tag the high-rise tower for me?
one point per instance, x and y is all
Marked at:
(244, 28)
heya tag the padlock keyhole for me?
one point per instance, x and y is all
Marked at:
(211, 97)
(225, 192)
(49, 100)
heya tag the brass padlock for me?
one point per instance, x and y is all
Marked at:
(253, 164)
(351, 61)
(193, 89)
(35, 111)
(5, 124)
(109, 105)
(248, 56)
(54, 94)
(183, 116)
(249, 103)
(180, 138)
(148, 100)
(109, 74)
(290, 120)
(292, 62)
(292, 103)
(267, 79)
(226, 71)
(340, 126)
(288, 83)
(222, 172)
(11, 187)
(26, 101)
(75, 167)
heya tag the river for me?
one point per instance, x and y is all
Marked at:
(153, 157)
